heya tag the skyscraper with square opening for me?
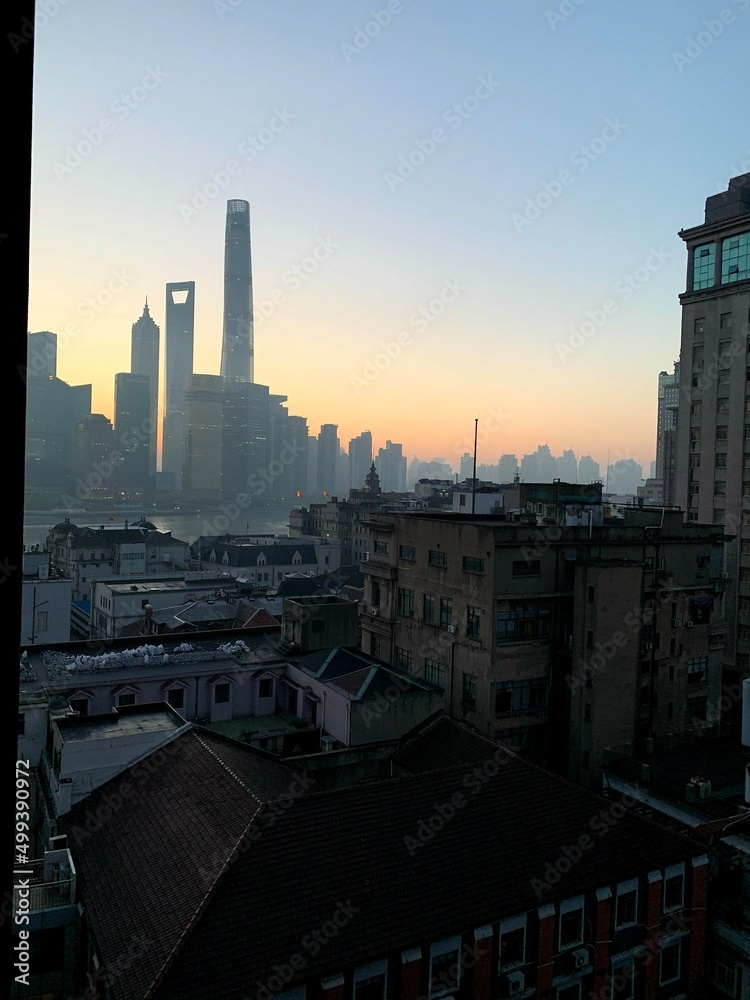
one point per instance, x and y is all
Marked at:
(180, 336)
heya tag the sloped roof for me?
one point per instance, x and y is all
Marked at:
(147, 872)
(223, 891)
(247, 555)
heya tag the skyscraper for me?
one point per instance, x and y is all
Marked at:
(237, 347)
(132, 423)
(360, 459)
(204, 426)
(713, 441)
(144, 360)
(328, 456)
(180, 335)
(244, 460)
(666, 433)
(392, 468)
(41, 354)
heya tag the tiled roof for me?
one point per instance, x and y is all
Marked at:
(147, 871)
(440, 743)
(247, 555)
(160, 867)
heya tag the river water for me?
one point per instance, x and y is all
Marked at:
(184, 525)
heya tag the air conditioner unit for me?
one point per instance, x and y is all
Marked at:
(689, 624)
(374, 612)
(676, 623)
(516, 983)
(452, 629)
(580, 958)
(648, 645)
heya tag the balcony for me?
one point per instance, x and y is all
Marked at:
(52, 882)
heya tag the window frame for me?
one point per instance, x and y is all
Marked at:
(508, 926)
(446, 946)
(670, 873)
(572, 905)
(625, 889)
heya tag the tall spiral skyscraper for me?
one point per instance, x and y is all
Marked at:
(237, 340)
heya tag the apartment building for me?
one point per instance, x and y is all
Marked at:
(557, 640)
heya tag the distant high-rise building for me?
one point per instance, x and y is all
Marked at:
(567, 467)
(666, 433)
(360, 459)
(391, 467)
(180, 336)
(287, 452)
(41, 354)
(245, 457)
(53, 411)
(132, 420)
(328, 454)
(312, 468)
(93, 446)
(237, 350)
(466, 467)
(624, 476)
(588, 469)
(342, 474)
(507, 468)
(144, 360)
(296, 443)
(204, 428)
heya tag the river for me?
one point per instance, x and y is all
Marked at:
(184, 525)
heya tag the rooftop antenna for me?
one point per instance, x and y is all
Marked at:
(474, 474)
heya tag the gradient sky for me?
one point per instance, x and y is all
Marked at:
(221, 72)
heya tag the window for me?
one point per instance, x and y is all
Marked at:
(699, 328)
(428, 609)
(375, 594)
(41, 621)
(473, 622)
(80, 705)
(571, 922)
(626, 904)
(589, 640)
(470, 692)
(473, 565)
(176, 697)
(433, 672)
(403, 658)
(695, 408)
(697, 668)
(221, 694)
(522, 623)
(446, 612)
(735, 258)
(407, 552)
(622, 980)
(437, 558)
(265, 687)
(21, 731)
(721, 461)
(674, 888)
(125, 700)
(521, 696)
(669, 963)
(698, 357)
(704, 260)
(571, 992)
(405, 602)
(590, 595)
(445, 967)
(512, 951)
(380, 548)
(587, 712)
(526, 567)
(370, 981)
(724, 975)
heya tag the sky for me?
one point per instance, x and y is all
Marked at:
(459, 210)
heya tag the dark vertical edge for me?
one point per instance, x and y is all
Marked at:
(16, 69)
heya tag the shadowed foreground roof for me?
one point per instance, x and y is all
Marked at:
(354, 852)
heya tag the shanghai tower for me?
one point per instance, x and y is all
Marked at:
(237, 340)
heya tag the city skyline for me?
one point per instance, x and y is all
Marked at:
(367, 227)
